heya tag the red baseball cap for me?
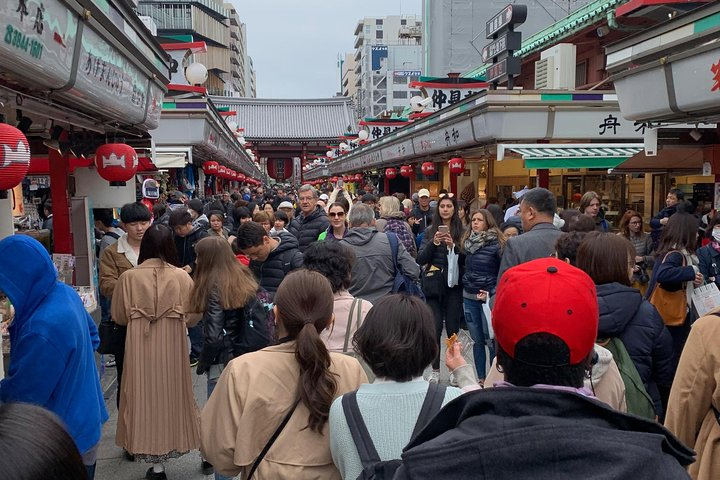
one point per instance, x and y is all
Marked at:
(546, 296)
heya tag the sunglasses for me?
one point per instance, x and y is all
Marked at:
(336, 214)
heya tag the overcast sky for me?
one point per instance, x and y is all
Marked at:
(295, 44)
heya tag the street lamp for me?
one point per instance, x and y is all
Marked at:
(196, 73)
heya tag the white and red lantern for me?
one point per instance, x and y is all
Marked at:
(240, 177)
(358, 177)
(428, 168)
(211, 167)
(334, 179)
(456, 165)
(391, 173)
(14, 156)
(222, 171)
(116, 163)
(406, 171)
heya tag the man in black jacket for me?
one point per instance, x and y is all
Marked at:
(422, 214)
(541, 423)
(271, 258)
(311, 221)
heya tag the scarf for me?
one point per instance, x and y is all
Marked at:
(478, 240)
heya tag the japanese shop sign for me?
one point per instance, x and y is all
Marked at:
(397, 151)
(110, 81)
(449, 137)
(501, 29)
(38, 39)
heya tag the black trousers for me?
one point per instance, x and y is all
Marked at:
(448, 311)
(119, 361)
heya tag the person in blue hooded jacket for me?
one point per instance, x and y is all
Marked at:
(52, 340)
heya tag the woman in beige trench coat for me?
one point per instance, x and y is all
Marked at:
(158, 417)
(692, 413)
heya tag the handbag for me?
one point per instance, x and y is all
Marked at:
(112, 338)
(433, 280)
(672, 306)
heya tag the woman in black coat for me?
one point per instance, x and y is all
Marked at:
(608, 259)
(441, 238)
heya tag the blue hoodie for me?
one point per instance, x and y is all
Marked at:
(52, 339)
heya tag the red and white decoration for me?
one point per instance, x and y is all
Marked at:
(428, 169)
(14, 156)
(391, 173)
(358, 177)
(222, 171)
(211, 167)
(457, 165)
(116, 163)
(406, 171)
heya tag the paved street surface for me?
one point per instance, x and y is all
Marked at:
(111, 464)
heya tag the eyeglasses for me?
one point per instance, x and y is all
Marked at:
(336, 214)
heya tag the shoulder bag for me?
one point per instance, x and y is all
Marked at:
(672, 306)
(274, 437)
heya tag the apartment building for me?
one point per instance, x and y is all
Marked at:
(218, 25)
(388, 56)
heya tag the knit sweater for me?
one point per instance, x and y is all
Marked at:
(389, 410)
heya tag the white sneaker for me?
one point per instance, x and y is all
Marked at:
(111, 361)
(434, 376)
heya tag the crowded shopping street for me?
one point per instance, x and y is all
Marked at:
(400, 239)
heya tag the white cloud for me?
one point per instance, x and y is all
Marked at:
(295, 44)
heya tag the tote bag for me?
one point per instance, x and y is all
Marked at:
(672, 306)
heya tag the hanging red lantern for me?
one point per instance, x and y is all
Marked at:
(428, 168)
(457, 165)
(116, 163)
(391, 173)
(14, 156)
(358, 177)
(334, 179)
(211, 167)
(406, 171)
(222, 171)
(240, 177)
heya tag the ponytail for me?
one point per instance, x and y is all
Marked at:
(317, 385)
(304, 302)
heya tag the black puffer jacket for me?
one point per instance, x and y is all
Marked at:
(231, 333)
(281, 261)
(481, 269)
(626, 315)
(186, 246)
(307, 229)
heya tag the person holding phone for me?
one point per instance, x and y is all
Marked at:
(482, 244)
(439, 251)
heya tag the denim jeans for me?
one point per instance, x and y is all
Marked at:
(197, 336)
(475, 318)
(210, 387)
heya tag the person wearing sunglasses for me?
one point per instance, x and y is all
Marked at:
(338, 224)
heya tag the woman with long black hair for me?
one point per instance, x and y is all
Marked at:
(269, 411)
(440, 252)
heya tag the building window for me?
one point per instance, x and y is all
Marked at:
(399, 80)
(379, 34)
(368, 28)
(581, 73)
(403, 21)
(413, 78)
(378, 21)
(401, 94)
(415, 93)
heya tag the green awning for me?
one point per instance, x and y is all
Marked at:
(549, 155)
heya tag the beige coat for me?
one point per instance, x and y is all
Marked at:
(112, 265)
(695, 390)
(252, 396)
(158, 414)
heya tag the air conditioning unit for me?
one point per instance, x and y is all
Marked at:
(556, 68)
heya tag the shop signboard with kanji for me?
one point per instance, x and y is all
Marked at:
(38, 41)
(449, 137)
(398, 151)
(505, 41)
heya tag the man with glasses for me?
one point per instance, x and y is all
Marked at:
(312, 219)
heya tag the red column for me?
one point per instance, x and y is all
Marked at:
(453, 184)
(62, 234)
(543, 177)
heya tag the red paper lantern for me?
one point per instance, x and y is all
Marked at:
(456, 165)
(391, 173)
(358, 177)
(428, 168)
(406, 171)
(211, 167)
(222, 171)
(240, 177)
(334, 179)
(14, 156)
(116, 163)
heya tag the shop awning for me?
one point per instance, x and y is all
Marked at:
(666, 160)
(587, 155)
(171, 159)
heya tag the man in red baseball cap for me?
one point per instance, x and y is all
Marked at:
(542, 423)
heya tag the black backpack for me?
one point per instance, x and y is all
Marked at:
(373, 467)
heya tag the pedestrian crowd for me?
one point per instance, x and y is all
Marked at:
(318, 320)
